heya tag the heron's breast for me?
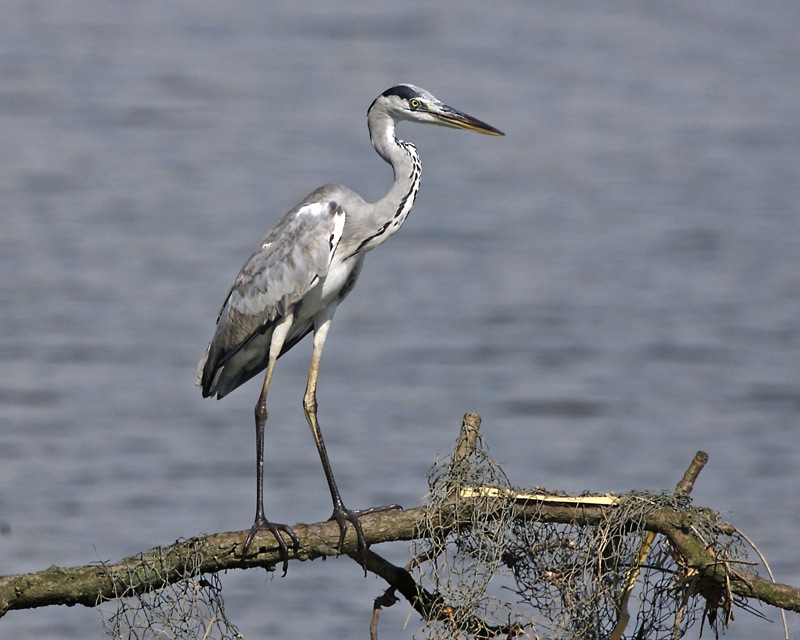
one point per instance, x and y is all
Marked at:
(328, 289)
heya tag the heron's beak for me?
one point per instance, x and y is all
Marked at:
(454, 118)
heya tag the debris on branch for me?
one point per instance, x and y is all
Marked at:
(488, 560)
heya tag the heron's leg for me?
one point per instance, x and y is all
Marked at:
(341, 514)
(261, 523)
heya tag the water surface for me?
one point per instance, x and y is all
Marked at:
(612, 286)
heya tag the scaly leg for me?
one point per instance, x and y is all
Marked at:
(261, 523)
(341, 514)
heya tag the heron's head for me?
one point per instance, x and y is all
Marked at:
(408, 102)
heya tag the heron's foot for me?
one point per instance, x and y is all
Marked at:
(277, 530)
(343, 515)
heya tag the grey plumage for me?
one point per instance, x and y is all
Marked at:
(304, 267)
(291, 261)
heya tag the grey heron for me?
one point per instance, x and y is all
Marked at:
(302, 269)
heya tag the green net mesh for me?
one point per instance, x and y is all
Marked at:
(191, 608)
(522, 575)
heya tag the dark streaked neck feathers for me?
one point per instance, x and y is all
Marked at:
(391, 211)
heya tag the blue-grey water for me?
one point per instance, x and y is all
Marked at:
(612, 286)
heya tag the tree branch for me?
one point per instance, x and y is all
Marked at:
(91, 584)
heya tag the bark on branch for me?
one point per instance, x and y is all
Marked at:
(89, 584)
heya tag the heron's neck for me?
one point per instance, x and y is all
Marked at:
(392, 210)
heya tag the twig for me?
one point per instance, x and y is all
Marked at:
(431, 606)
(685, 486)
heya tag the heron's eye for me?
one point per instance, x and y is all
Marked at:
(414, 104)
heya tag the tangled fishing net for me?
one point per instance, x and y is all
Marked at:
(190, 609)
(509, 572)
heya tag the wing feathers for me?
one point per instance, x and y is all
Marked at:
(288, 263)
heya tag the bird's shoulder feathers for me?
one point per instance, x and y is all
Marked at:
(288, 262)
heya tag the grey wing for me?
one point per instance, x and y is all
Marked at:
(290, 260)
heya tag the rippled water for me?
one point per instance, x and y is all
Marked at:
(613, 285)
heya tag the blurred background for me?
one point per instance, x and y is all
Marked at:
(612, 286)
